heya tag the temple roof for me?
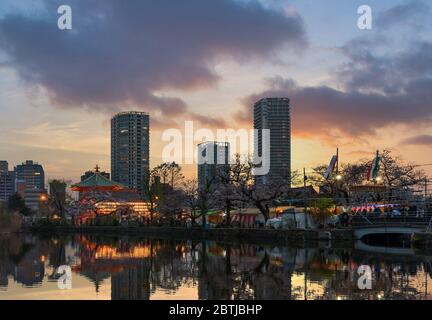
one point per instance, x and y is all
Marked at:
(97, 182)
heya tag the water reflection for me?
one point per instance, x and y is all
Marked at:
(133, 268)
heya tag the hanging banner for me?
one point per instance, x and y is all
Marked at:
(331, 167)
(374, 168)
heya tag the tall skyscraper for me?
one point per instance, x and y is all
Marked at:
(7, 186)
(30, 182)
(213, 162)
(4, 166)
(130, 148)
(274, 114)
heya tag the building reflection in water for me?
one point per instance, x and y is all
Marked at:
(142, 269)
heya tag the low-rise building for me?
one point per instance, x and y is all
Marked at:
(7, 186)
(30, 183)
(100, 196)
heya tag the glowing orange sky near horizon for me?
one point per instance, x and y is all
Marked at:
(71, 139)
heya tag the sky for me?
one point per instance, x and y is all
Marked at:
(208, 61)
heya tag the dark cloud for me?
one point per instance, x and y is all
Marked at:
(383, 81)
(421, 140)
(389, 73)
(208, 122)
(387, 62)
(125, 53)
(323, 110)
(403, 13)
(161, 122)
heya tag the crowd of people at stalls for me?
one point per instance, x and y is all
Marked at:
(344, 218)
(388, 211)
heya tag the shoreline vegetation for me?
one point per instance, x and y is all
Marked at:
(295, 237)
(9, 222)
(335, 238)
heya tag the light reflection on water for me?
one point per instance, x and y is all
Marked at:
(134, 268)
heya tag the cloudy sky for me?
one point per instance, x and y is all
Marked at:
(208, 61)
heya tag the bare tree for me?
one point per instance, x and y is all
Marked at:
(396, 173)
(191, 199)
(58, 197)
(151, 192)
(334, 186)
(171, 205)
(163, 191)
(170, 173)
(393, 171)
(175, 174)
(206, 199)
(225, 191)
(162, 171)
(259, 195)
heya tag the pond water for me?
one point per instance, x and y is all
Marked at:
(137, 268)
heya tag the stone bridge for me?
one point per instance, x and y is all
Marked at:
(364, 226)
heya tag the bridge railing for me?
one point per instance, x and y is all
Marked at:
(372, 221)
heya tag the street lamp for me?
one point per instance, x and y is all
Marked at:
(338, 177)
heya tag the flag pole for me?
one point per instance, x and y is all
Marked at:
(376, 160)
(337, 163)
(305, 198)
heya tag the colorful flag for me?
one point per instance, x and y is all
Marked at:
(374, 168)
(331, 167)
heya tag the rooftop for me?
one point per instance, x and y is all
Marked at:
(97, 182)
(131, 113)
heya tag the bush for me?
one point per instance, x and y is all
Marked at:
(48, 223)
(16, 203)
(103, 221)
(9, 222)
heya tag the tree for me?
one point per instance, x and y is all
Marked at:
(354, 174)
(161, 190)
(162, 171)
(191, 198)
(9, 221)
(171, 205)
(334, 186)
(16, 203)
(225, 194)
(296, 178)
(169, 173)
(57, 198)
(206, 199)
(226, 198)
(259, 195)
(396, 173)
(321, 206)
(151, 192)
(175, 174)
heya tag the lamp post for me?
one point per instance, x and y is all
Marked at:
(43, 199)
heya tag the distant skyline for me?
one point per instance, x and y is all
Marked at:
(209, 61)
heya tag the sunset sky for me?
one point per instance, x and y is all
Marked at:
(208, 61)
